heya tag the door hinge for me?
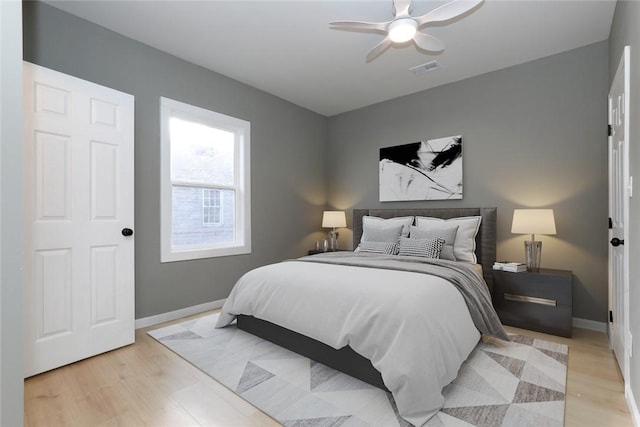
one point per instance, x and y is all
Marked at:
(610, 316)
(609, 130)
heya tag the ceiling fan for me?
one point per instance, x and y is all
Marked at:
(404, 27)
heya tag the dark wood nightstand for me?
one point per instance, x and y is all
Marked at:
(319, 251)
(540, 301)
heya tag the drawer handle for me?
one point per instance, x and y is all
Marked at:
(532, 300)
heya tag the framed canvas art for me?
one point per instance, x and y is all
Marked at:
(424, 170)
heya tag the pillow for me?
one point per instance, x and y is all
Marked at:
(406, 222)
(377, 248)
(464, 246)
(381, 232)
(426, 248)
(447, 233)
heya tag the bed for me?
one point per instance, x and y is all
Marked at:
(392, 321)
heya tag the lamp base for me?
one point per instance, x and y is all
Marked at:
(532, 253)
(333, 240)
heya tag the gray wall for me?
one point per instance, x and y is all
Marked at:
(11, 383)
(626, 31)
(287, 153)
(533, 136)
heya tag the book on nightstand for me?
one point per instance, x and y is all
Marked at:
(513, 267)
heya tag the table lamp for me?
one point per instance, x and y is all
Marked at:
(333, 219)
(533, 221)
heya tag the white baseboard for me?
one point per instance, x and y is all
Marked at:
(173, 315)
(590, 324)
(631, 402)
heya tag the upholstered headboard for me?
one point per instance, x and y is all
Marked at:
(485, 239)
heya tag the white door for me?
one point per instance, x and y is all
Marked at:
(79, 265)
(620, 189)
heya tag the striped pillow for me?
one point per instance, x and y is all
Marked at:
(378, 248)
(425, 248)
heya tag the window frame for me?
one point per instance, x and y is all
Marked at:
(241, 243)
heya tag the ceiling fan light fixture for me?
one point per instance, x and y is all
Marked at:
(404, 27)
(402, 30)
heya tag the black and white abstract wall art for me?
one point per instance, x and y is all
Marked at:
(424, 170)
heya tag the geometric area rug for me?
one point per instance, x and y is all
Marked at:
(502, 384)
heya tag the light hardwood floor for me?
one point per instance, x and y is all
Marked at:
(146, 384)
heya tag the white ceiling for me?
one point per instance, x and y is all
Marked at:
(288, 49)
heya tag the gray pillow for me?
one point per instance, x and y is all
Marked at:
(464, 248)
(448, 234)
(381, 232)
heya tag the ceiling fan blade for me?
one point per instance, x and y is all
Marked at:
(381, 47)
(428, 43)
(448, 11)
(359, 25)
(402, 7)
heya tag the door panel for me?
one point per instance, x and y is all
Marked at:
(104, 274)
(104, 170)
(53, 287)
(53, 178)
(79, 269)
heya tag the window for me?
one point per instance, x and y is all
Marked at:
(211, 207)
(205, 198)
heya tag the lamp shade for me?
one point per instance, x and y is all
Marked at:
(533, 221)
(334, 219)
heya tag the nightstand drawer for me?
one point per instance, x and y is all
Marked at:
(536, 301)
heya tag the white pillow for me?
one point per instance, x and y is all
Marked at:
(406, 222)
(464, 247)
(448, 234)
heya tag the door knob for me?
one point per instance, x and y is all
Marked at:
(616, 242)
(126, 232)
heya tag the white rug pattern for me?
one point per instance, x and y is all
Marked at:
(521, 383)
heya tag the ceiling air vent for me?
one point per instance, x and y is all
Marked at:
(421, 69)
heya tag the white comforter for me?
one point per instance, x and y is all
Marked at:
(415, 328)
